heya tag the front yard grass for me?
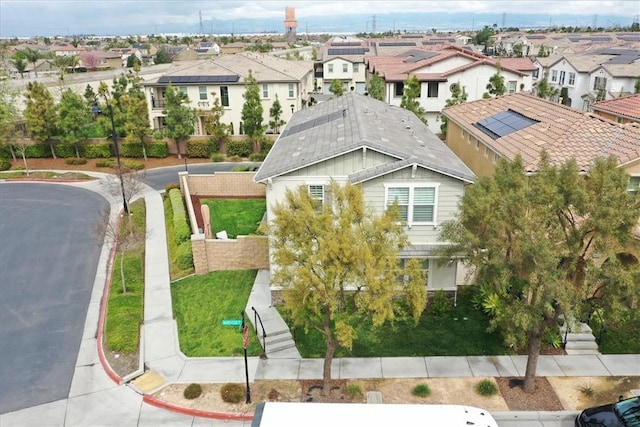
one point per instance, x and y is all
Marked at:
(172, 245)
(200, 303)
(238, 217)
(460, 332)
(125, 310)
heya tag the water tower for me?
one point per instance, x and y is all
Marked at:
(290, 24)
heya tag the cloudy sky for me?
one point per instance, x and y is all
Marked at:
(67, 17)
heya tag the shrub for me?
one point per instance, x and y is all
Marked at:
(131, 149)
(184, 256)
(273, 395)
(5, 151)
(215, 144)
(76, 161)
(257, 157)
(171, 186)
(240, 148)
(421, 390)
(201, 149)
(235, 159)
(180, 225)
(192, 391)
(105, 163)
(232, 393)
(486, 388)
(354, 390)
(5, 164)
(65, 150)
(97, 151)
(157, 150)
(241, 169)
(265, 146)
(440, 305)
(217, 157)
(587, 390)
(133, 165)
(37, 151)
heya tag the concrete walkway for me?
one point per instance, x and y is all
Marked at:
(97, 399)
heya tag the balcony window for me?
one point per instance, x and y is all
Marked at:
(224, 96)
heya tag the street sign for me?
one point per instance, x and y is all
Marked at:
(232, 322)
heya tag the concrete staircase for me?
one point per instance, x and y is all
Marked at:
(579, 339)
(278, 341)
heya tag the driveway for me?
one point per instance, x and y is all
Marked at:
(48, 261)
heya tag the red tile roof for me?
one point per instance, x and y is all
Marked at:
(627, 107)
(563, 132)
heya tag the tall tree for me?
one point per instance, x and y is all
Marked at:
(275, 112)
(545, 90)
(336, 87)
(20, 65)
(163, 56)
(458, 96)
(180, 118)
(532, 241)
(411, 98)
(213, 122)
(136, 123)
(40, 114)
(338, 264)
(376, 87)
(252, 109)
(9, 115)
(496, 86)
(32, 56)
(73, 119)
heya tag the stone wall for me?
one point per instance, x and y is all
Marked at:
(226, 184)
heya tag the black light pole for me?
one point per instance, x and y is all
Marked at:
(245, 342)
(97, 110)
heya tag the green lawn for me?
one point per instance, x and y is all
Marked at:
(461, 332)
(200, 303)
(125, 310)
(172, 246)
(239, 217)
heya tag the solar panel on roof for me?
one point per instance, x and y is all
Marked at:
(345, 44)
(199, 79)
(414, 56)
(396, 44)
(310, 124)
(504, 123)
(624, 59)
(536, 37)
(351, 51)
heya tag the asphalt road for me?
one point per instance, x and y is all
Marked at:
(48, 261)
(160, 177)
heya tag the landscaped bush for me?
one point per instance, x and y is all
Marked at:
(265, 146)
(199, 148)
(257, 157)
(421, 390)
(105, 163)
(184, 257)
(37, 151)
(440, 305)
(171, 186)
(192, 391)
(240, 148)
(131, 149)
(133, 165)
(76, 161)
(65, 150)
(232, 393)
(486, 388)
(217, 157)
(241, 169)
(180, 224)
(5, 164)
(5, 152)
(157, 150)
(97, 151)
(354, 390)
(235, 159)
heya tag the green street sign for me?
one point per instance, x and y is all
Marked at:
(232, 322)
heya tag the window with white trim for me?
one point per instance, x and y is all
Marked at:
(554, 75)
(330, 68)
(355, 68)
(265, 90)
(634, 184)
(561, 81)
(203, 93)
(416, 203)
(572, 79)
(316, 192)
(345, 68)
(292, 90)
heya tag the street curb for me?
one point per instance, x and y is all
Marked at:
(536, 415)
(195, 412)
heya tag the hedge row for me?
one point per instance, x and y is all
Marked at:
(134, 149)
(180, 224)
(201, 149)
(184, 256)
(240, 148)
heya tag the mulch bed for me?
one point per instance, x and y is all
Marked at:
(543, 398)
(312, 392)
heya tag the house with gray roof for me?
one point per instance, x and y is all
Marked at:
(390, 154)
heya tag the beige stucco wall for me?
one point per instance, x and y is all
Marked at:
(226, 184)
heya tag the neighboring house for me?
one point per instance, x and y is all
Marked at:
(107, 60)
(591, 76)
(125, 53)
(481, 132)
(207, 50)
(68, 50)
(224, 76)
(41, 66)
(621, 110)
(231, 48)
(439, 70)
(342, 59)
(182, 53)
(392, 155)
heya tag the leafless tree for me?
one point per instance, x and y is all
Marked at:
(132, 184)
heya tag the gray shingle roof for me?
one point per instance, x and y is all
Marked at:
(364, 122)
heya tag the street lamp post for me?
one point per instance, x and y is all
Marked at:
(97, 110)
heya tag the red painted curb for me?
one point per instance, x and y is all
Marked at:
(103, 313)
(196, 412)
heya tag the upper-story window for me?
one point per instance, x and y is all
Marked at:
(600, 83)
(536, 73)
(355, 68)
(634, 184)
(224, 96)
(292, 90)
(265, 90)
(399, 89)
(330, 68)
(512, 84)
(554, 75)
(202, 90)
(316, 192)
(432, 89)
(416, 202)
(345, 68)
(561, 81)
(183, 89)
(572, 79)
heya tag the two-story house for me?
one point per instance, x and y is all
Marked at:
(438, 71)
(342, 60)
(224, 78)
(621, 110)
(386, 151)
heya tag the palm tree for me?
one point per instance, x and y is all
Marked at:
(32, 56)
(20, 65)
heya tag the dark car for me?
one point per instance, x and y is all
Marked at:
(624, 413)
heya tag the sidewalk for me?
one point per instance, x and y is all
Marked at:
(100, 398)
